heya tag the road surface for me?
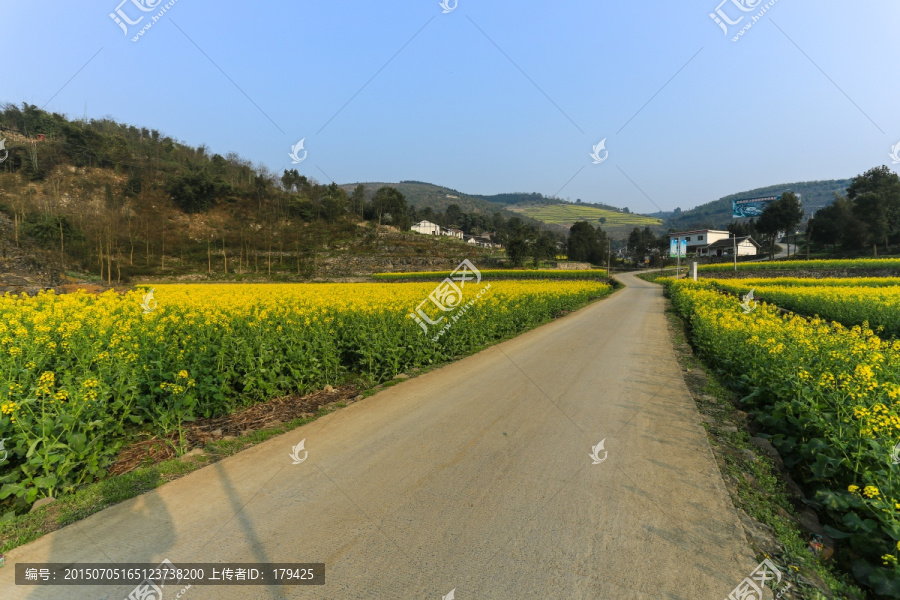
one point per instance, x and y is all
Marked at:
(783, 253)
(474, 478)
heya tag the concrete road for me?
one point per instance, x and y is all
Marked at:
(475, 478)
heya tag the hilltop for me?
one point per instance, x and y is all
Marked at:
(717, 214)
(420, 195)
(615, 222)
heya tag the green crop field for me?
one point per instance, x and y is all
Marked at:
(567, 214)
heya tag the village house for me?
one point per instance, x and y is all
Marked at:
(712, 242)
(426, 227)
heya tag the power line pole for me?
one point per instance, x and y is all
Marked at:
(678, 260)
(735, 252)
(608, 259)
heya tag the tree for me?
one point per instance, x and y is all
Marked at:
(642, 242)
(453, 214)
(358, 199)
(517, 249)
(194, 191)
(334, 203)
(768, 225)
(827, 225)
(586, 243)
(739, 229)
(876, 202)
(390, 205)
(790, 213)
(543, 248)
(781, 215)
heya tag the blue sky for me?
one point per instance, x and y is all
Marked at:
(491, 97)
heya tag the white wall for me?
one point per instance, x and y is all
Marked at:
(708, 238)
(427, 227)
(715, 236)
(745, 248)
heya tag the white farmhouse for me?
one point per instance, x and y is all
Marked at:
(426, 227)
(746, 246)
(712, 242)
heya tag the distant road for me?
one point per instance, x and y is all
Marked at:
(475, 477)
(783, 253)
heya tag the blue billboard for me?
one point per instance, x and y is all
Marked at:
(673, 247)
(751, 207)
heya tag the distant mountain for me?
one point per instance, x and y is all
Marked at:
(559, 214)
(421, 194)
(717, 214)
(520, 198)
(555, 213)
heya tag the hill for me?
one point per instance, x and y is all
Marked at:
(119, 203)
(553, 214)
(717, 214)
(614, 222)
(420, 194)
(427, 199)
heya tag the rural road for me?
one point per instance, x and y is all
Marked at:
(475, 477)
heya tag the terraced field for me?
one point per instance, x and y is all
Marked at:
(567, 214)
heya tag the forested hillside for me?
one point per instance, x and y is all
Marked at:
(119, 201)
(717, 214)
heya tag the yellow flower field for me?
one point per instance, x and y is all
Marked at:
(857, 301)
(82, 374)
(830, 398)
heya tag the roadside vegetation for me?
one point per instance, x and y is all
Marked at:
(498, 274)
(828, 399)
(856, 301)
(809, 265)
(777, 522)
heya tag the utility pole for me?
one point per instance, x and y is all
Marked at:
(608, 259)
(678, 259)
(735, 252)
